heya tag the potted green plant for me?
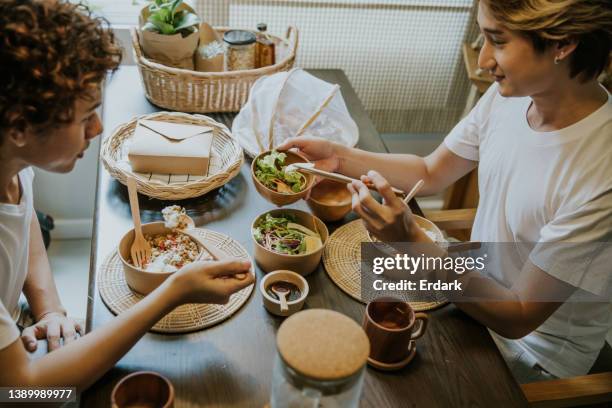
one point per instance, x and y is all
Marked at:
(169, 32)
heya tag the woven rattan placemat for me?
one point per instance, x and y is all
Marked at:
(118, 297)
(342, 258)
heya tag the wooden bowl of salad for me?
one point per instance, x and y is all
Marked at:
(276, 185)
(171, 251)
(288, 239)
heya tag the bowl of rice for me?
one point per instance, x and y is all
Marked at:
(171, 249)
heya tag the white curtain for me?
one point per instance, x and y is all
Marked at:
(402, 57)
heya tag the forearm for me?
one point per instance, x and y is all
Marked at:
(505, 316)
(39, 287)
(42, 297)
(82, 362)
(498, 307)
(401, 170)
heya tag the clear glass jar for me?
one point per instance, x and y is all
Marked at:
(292, 390)
(240, 50)
(320, 361)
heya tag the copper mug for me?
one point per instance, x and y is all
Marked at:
(391, 324)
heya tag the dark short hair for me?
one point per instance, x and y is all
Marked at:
(548, 22)
(589, 59)
(51, 54)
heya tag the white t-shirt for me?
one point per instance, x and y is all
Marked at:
(547, 187)
(14, 247)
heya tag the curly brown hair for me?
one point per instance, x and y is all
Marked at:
(51, 54)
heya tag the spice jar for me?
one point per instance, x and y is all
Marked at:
(264, 54)
(240, 53)
(320, 361)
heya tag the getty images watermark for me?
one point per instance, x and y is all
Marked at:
(468, 271)
(399, 265)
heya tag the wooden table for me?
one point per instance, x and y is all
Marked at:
(231, 364)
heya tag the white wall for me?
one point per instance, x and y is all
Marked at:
(69, 198)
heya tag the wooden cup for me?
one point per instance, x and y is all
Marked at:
(330, 200)
(391, 325)
(143, 389)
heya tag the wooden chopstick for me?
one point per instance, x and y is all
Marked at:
(414, 191)
(339, 177)
(217, 255)
(325, 102)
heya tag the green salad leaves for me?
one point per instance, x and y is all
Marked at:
(270, 171)
(284, 236)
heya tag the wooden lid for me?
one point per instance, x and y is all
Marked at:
(322, 344)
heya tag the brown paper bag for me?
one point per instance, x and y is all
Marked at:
(208, 34)
(215, 64)
(172, 50)
(203, 63)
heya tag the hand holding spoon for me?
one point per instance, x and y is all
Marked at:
(208, 246)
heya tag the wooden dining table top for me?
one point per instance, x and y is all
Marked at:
(230, 364)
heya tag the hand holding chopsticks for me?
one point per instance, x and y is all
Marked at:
(390, 221)
(309, 168)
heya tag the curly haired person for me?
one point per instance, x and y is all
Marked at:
(54, 57)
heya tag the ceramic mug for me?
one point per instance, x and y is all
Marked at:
(391, 324)
(143, 389)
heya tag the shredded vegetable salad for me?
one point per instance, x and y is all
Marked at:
(270, 170)
(284, 236)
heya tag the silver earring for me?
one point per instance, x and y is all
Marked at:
(558, 59)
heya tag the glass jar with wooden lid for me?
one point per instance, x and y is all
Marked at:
(320, 361)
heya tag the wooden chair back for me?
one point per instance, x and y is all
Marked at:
(463, 194)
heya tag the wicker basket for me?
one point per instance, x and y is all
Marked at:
(225, 161)
(193, 91)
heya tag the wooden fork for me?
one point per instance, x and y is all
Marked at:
(141, 250)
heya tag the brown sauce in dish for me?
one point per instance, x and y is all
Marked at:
(294, 292)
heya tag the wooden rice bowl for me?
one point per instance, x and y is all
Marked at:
(138, 279)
